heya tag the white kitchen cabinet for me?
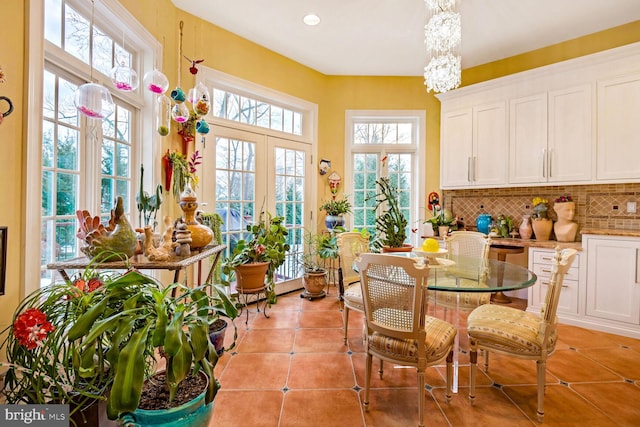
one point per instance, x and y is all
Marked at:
(613, 278)
(540, 262)
(551, 137)
(618, 150)
(474, 147)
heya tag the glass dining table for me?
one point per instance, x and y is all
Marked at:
(460, 274)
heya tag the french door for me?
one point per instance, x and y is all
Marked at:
(245, 173)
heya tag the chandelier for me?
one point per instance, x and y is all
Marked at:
(442, 38)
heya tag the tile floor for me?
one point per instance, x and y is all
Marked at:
(293, 369)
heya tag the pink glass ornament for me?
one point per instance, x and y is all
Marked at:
(156, 82)
(94, 101)
(180, 113)
(124, 78)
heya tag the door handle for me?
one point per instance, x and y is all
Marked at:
(469, 163)
(544, 163)
(549, 164)
(637, 251)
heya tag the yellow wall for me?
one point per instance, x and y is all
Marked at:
(233, 55)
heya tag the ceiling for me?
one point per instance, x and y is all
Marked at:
(386, 37)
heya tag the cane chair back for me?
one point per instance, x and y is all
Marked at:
(517, 333)
(398, 329)
(350, 245)
(474, 247)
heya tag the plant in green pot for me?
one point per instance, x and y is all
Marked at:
(254, 261)
(391, 223)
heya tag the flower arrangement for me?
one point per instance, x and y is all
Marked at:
(540, 208)
(563, 199)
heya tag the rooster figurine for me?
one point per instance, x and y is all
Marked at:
(118, 236)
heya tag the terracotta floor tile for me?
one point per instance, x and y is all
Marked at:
(319, 340)
(505, 370)
(562, 406)
(398, 407)
(321, 319)
(619, 401)
(321, 370)
(394, 375)
(326, 408)
(286, 319)
(491, 408)
(621, 360)
(571, 366)
(256, 371)
(267, 341)
(260, 408)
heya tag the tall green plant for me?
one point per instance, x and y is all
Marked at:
(391, 224)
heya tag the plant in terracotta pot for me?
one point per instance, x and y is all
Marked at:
(391, 223)
(335, 211)
(260, 256)
(317, 248)
(540, 221)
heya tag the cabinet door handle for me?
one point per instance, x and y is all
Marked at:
(547, 284)
(637, 251)
(544, 163)
(469, 165)
(546, 271)
(475, 172)
(549, 164)
(546, 258)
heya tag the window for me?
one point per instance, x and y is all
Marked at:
(84, 163)
(384, 143)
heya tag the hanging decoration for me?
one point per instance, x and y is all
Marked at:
(443, 34)
(123, 77)
(92, 99)
(334, 182)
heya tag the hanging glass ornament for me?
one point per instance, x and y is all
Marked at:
(180, 113)
(124, 78)
(163, 115)
(94, 101)
(178, 95)
(156, 82)
(200, 99)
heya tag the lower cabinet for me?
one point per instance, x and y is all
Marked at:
(540, 262)
(601, 291)
(613, 278)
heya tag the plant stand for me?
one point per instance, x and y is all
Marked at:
(245, 294)
(314, 284)
(310, 296)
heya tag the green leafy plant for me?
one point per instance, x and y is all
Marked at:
(442, 218)
(336, 207)
(148, 205)
(104, 334)
(179, 166)
(391, 224)
(317, 248)
(540, 208)
(268, 243)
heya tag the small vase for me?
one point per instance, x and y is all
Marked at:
(333, 221)
(542, 228)
(443, 230)
(483, 222)
(525, 227)
(201, 235)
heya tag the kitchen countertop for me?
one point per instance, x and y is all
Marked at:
(532, 243)
(611, 232)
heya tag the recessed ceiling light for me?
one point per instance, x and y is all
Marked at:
(311, 19)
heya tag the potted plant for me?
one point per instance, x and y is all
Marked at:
(441, 221)
(391, 224)
(317, 248)
(148, 205)
(101, 337)
(540, 221)
(335, 211)
(258, 258)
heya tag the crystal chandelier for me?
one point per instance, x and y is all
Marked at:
(442, 37)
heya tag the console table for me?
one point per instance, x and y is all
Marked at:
(140, 262)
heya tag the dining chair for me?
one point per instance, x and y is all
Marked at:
(398, 329)
(513, 332)
(474, 246)
(350, 245)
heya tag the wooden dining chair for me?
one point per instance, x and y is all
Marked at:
(350, 245)
(513, 332)
(474, 246)
(398, 329)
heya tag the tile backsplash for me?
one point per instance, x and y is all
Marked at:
(597, 206)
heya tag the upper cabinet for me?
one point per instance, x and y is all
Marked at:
(574, 122)
(474, 147)
(551, 138)
(619, 128)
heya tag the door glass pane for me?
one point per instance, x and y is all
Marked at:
(364, 185)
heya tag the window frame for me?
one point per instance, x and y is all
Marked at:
(146, 142)
(417, 148)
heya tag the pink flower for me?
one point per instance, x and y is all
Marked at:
(31, 328)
